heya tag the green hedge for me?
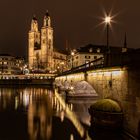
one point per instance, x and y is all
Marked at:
(107, 105)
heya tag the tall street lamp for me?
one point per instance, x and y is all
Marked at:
(107, 21)
(72, 54)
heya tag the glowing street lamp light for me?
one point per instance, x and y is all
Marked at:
(107, 20)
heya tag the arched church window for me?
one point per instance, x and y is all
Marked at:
(36, 46)
(43, 41)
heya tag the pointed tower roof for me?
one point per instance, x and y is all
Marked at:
(34, 17)
(47, 20)
(47, 13)
(34, 24)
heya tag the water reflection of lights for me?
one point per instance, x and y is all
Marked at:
(71, 115)
(5, 98)
(39, 119)
(62, 115)
(26, 99)
(71, 137)
(21, 97)
(16, 102)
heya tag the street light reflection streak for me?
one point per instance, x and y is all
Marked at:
(71, 115)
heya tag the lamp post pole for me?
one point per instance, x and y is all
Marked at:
(72, 54)
(107, 21)
(107, 31)
(72, 62)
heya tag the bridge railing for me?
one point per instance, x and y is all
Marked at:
(28, 76)
(129, 59)
(98, 63)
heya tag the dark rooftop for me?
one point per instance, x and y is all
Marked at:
(5, 54)
(90, 48)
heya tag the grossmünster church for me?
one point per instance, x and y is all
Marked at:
(41, 52)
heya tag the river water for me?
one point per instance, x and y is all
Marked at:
(38, 113)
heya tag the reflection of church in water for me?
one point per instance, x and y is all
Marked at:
(41, 53)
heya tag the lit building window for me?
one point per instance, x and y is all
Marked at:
(87, 63)
(90, 50)
(98, 50)
(5, 63)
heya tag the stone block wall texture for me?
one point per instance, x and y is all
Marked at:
(121, 84)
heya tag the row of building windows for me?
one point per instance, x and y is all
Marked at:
(7, 63)
(11, 65)
(88, 57)
(97, 50)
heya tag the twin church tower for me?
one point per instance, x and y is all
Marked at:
(40, 47)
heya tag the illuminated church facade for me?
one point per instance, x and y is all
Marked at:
(41, 50)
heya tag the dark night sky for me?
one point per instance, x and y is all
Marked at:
(74, 20)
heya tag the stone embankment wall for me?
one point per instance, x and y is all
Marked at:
(121, 84)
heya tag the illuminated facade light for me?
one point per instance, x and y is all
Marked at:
(72, 53)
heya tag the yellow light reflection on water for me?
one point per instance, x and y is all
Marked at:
(71, 115)
(16, 102)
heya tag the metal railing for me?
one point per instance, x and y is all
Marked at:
(98, 63)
